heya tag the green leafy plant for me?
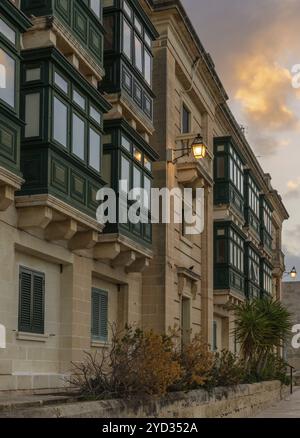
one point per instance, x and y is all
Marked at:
(261, 326)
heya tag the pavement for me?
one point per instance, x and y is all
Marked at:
(10, 402)
(287, 408)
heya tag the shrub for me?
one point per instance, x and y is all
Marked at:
(228, 369)
(196, 362)
(137, 364)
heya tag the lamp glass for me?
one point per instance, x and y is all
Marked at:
(199, 148)
(293, 273)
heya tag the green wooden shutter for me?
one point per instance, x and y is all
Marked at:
(95, 314)
(103, 316)
(25, 302)
(99, 315)
(31, 301)
(38, 303)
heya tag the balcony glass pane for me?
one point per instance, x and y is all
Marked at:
(8, 32)
(95, 150)
(125, 170)
(61, 82)
(79, 100)
(78, 137)
(127, 39)
(60, 122)
(32, 115)
(7, 78)
(148, 67)
(96, 7)
(138, 50)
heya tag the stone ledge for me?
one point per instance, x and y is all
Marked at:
(235, 402)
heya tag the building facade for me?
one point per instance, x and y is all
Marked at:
(194, 279)
(102, 91)
(68, 130)
(290, 299)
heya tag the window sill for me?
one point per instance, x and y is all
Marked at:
(21, 336)
(99, 344)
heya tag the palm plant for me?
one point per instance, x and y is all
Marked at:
(261, 326)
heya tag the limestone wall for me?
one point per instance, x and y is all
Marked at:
(240, 402)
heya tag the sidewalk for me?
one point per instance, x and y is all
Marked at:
(288, 408)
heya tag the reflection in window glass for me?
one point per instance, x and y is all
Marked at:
(137, 178)
(108, 23)
(147, 187)
(78, 136)
(125, 170)
(127, 33)
(138, 25)
(7, 78)
(138, 53)
(125, 143)
(60, 122)
(78, 99)
(33, 74)
(95, 148)
(8, 32)
(95, 6)
(32, 115)
(137, 154)
(95, 115)
(148, 67)
(127, 9)
(61, 82)
(147, 164)
(148, 40)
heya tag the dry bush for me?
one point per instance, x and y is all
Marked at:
(137, 364)
(196, 362)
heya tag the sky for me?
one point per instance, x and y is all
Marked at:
(254, 45)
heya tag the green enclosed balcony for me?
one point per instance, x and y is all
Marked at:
(128, 61)
(229, 176)
(12, 24)
(127, 157)
(74, 27)
(252, 271)
(266, 281)
(61, 156)
(266, 224)
(252, 205)
(229, 261)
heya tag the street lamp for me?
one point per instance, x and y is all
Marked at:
(293, 273)
(198, 148)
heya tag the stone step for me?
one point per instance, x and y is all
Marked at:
(10, 403)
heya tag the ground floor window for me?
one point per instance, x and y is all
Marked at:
(215, 336)
(31, 301)
(185, 320)
(99, 315)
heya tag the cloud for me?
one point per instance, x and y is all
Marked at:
(264, 90)
(293, 189)
(267, 146)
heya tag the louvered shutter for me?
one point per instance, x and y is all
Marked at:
(25, 302)
(103, 316)
(99, 315)
(38, 303)
(95, 314)
(31, 301)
